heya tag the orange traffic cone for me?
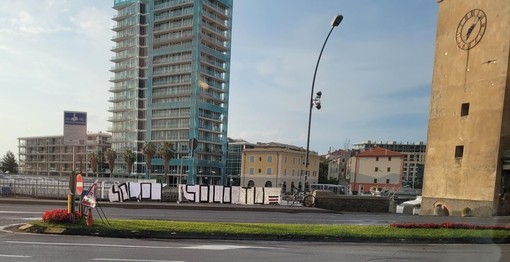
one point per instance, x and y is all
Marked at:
(90, 220)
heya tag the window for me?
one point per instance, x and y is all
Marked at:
(376, 158)
(376, 169)
(387, 181)
(459, 151)
(389, 158)
(389, 169)
(251, 171)
(252, 159)
(269, 171)
(464, 109)
(269, 159)
(260, 170)
(375, 180)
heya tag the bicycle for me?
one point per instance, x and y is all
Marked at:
(306, 199)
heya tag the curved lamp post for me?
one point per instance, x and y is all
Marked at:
(316, 101)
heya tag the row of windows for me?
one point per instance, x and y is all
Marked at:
(269, 159)
(269, 171)
(376, 169)
(387, 181)
(377, 158)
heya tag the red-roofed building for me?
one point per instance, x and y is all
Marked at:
(376, 170)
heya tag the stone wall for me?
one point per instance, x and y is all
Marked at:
(456, 207)
(349, 203)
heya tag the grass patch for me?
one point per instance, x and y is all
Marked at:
(287, 231)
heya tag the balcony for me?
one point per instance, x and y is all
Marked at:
(173, 4)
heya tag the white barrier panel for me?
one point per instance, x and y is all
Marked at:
(229, 195)
(132, 190)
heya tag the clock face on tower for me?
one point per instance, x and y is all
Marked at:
(471, 29)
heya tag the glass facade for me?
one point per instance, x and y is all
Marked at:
(171, 83)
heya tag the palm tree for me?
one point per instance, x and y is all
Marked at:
(93, 160)
(166, 151)
(129, 158)
(110, 155)
(149, 149)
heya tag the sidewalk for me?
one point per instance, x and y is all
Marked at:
(174, 205)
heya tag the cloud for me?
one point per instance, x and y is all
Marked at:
(93, 23)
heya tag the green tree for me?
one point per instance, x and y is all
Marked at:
(166, 151)
(111, 156)
(129, 158)
(93, 161)
(9, 163)
(149, 150)
(323, 171)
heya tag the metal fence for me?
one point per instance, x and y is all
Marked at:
(58, 187)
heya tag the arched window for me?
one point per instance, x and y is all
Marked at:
(251, 183)
(268, 184)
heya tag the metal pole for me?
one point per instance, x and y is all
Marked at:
(335, 23)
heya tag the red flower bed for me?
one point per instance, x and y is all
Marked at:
(59, 216)
(449, 225)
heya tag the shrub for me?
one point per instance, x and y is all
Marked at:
(59, 216)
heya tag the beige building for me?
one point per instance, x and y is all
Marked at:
(414, 159)
(278, 165)
(375, 170)
(48, 156)
(337, 166)
(469, 125)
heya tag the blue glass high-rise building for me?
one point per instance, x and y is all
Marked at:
(171, 83)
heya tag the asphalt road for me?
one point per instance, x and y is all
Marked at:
(42, 247)
(55, 248)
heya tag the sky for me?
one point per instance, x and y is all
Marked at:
(375, 73)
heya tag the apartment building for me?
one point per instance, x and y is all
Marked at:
(171, 83)
(278, 165)
(414, 158)
(375, 170)
(48, 156)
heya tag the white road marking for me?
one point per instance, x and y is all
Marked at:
(221, 247)
(133, 260)
(15, 256)
(204, 247)
(3, 228)
(20, 212)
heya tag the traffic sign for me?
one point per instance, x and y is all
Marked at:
(79, 184)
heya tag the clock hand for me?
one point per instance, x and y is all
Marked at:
(470, 30)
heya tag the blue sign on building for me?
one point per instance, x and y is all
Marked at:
(75, 118)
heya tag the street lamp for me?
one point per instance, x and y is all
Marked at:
(316, 101)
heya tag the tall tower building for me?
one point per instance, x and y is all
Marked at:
(467, 169)
(171, 83)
